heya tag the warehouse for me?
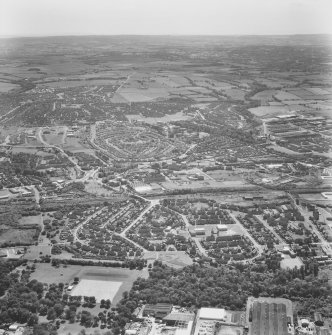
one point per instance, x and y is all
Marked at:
(218, 314)
(269, 316)
(159, 311)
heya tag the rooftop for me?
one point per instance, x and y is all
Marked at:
(212, 313)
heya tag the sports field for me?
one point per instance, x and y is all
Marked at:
(101, 282)
(100, 289)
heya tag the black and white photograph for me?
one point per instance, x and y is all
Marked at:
(165, 167)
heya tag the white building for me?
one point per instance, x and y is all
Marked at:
(218, 314)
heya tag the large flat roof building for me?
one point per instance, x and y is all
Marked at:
(269, 316)
(218, 314)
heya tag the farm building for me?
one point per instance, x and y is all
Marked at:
(159, 311)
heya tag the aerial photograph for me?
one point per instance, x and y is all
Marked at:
(165, 167)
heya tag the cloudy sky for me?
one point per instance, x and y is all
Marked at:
(158, 17)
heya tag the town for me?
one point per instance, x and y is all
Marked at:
(159, 187)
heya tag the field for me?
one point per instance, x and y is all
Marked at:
(31, 151)
(78, 83)
(269, 111)
(100, 289)
(30, 220)
(290, 263)
(236, 94)
(97, 188)
(74, 144)
(91, 277)
(265, 96)
(25, 236)
(220, 175)
(174, 259)
(6, 87)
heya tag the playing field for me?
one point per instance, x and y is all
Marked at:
(100, 289)
(98, 281)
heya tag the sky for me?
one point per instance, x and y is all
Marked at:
(164, 17)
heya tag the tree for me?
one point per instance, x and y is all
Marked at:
(51, 314)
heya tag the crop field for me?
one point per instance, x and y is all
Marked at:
(270, 83)
(78, 83)
(171, 81)
(236, 94)
(269, 111)
(282, 95)
(6, 87)
(266, 95)
(139, 95)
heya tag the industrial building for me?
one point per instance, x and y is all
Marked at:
(158, 311)
(218, 314)
(269, 316)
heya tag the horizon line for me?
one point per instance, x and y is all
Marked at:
(160, 35)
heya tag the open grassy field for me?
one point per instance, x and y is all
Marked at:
(21, 236)
(175, 259)
(74, 144)
(220, 175)
(96, 188)
(290, 263)
(100, 289)
(30, 220)
(31, 151)
(92, 278)
(269, 111)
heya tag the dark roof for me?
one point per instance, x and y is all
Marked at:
(159, 307)
(179, 317)
(269, 319)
